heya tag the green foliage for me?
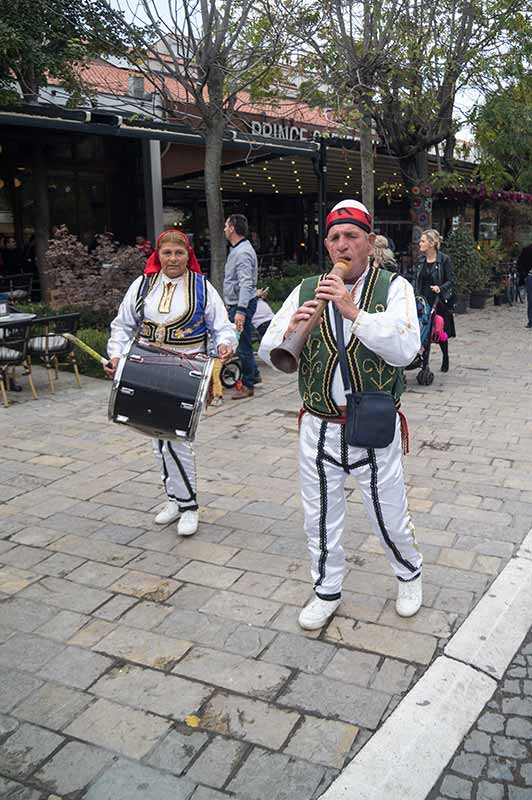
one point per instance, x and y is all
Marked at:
(293, 274)
(466, 262)
(42, 39)
(96, 339)
(503, 130)
(98, 319)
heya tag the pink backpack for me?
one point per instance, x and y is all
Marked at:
(438, 334)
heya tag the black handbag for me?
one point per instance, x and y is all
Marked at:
(370, 416)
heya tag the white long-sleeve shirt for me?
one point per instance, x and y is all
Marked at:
(392, 334)
(125, 325)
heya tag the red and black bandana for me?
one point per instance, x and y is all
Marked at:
(349, 211)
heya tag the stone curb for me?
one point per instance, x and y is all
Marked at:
(406, 756)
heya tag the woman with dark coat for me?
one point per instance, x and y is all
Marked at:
(434, 279)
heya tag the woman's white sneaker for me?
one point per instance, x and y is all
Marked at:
(188, 524)
(409, 597)
(169, 513)
(317, 613)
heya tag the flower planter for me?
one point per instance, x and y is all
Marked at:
(478, 299)
(461, 303)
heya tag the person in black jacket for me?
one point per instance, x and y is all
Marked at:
(434, 279)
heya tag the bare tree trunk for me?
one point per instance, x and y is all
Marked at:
(215, 211)
(41, 215)
(367, 162)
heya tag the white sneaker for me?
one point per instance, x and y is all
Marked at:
(317, 613)
(217, 401)
(409, 597)
(168, 514)
(188, 524)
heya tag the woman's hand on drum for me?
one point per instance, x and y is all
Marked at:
(225, 353)
(110, 371)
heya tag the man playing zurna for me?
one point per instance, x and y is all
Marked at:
(381, 335)
(173, 306)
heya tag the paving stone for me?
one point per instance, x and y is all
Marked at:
(469, 764)
(516, 793)
(204, 793)
(52, 706)
(12, 580)
(259, 585)
(115, 607)
(60, 565)
(521, 707)
(73, 767)
(126, 730)
(150, 690)
(490, 791)
(63, 625)
(393, 677)
(23, 615)
(417, 647)
(287, 620)
(208, 575)
(509, 748)
(25, 749)
(196, 550)
(95, 550)
(248, 641)
(299, 653)
(353, 666)
(362, 607)
(92, 633)
(276, 777)
(278, 566)
(234, 672)
(66, 594)
(217, 762)
(119, 534)
(10, 790)
(31, 651)
(322, 741)
(8, 725)
(146, 615)
(490, 722)
(332, 698)
(24, 557)
(456, 787)
(128, 781)
(93, 573)
(427, 620)
(499, 769)
(162, 564)
(68, 523)
(145, 586)
(241, 608)
(190, 596)
(15, 686)
(152, 649)
(75, 667)
(518, 727)
(177, 750)
(526, 773)
(247, 719)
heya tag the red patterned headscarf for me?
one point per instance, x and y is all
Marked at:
(153, 264)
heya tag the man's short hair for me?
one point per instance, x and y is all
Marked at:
(240, 224)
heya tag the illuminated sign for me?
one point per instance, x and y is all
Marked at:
(291, 133)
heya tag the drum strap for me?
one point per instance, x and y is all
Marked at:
(147, 283)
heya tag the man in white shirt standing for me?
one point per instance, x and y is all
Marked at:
(381, 333)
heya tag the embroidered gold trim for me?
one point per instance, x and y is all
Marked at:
(165, 303)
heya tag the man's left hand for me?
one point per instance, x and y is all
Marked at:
(436, 289)
(225, 353)
(332, 288)
(239, 321)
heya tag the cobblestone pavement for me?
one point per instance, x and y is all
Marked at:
(136, 665)
(495, 760)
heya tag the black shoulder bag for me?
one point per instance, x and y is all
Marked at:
(370, 416)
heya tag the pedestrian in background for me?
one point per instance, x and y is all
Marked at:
(240, 290)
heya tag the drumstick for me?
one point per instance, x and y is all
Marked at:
(92, 353)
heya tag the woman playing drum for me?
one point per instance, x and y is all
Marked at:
(173, 306)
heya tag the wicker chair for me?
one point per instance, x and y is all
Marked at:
(14, 337)
(49, 345)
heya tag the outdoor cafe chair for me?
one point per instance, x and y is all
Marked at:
(18, 287)
(14, 337)
(49, 345)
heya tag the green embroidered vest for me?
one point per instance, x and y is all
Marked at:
(319, 358)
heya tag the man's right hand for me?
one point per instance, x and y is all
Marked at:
(110, 371)
(302, 314)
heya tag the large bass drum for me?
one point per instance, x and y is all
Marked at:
(159, 392)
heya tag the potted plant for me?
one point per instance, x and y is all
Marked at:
(465, 258)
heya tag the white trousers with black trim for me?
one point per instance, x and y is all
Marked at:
(325, 461)
(177, 463)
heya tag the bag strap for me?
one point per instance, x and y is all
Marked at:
(339, 324)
